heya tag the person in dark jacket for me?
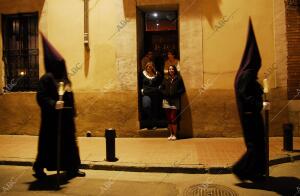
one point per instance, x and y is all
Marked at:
(151, 96)
(252, 165)
(48, 100)
(172, 88)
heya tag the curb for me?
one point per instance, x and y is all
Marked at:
(289, 158)
(166, 169)
(163, 169)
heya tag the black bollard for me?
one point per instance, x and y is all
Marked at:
(88, 134)
(110, 135)
(288, 137)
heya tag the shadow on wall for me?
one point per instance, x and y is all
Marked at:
(186, 122)
(40, 5)
(210, 9)
(86, 60)
(129, 7)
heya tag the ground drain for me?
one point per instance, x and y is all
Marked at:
(209, 190)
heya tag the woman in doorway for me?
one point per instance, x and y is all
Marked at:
(172, 88)
(151, 97)
(171, 60)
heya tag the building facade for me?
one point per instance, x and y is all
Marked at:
(104, 40)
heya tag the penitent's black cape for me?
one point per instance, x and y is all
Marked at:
(249, 101)
(47, 96)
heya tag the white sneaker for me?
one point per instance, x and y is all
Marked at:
(173, 137)
(170, 138)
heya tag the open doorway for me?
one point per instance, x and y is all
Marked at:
(157, 31)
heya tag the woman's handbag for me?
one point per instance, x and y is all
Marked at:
(165, 104)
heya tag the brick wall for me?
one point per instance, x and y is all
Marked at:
(293, 39)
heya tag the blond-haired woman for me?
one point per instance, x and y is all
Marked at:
(151, 95)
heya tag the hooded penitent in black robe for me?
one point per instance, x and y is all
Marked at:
(249, 101)
(47, 95)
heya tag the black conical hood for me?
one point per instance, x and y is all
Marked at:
(54, 62)
(251, 59)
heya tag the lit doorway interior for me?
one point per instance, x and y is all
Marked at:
(157, 31)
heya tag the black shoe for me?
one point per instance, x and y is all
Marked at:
(39, 174)
(76, 173)
(252, 177)
(241, 176)
(257, 178)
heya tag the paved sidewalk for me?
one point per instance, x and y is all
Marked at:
(197, 155)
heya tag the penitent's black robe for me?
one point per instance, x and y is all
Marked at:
(47, 145)
(249, 101)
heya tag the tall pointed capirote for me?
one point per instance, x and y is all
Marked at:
(54, 62)
(251, 60)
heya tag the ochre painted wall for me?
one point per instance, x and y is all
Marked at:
(212, 36)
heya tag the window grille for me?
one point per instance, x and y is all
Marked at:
(20, 51)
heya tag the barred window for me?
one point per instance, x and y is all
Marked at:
(20, 51)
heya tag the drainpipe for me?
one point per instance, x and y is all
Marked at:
(86, 24)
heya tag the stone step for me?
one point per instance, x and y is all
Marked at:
(159, 132)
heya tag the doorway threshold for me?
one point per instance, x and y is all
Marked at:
(159, 132)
